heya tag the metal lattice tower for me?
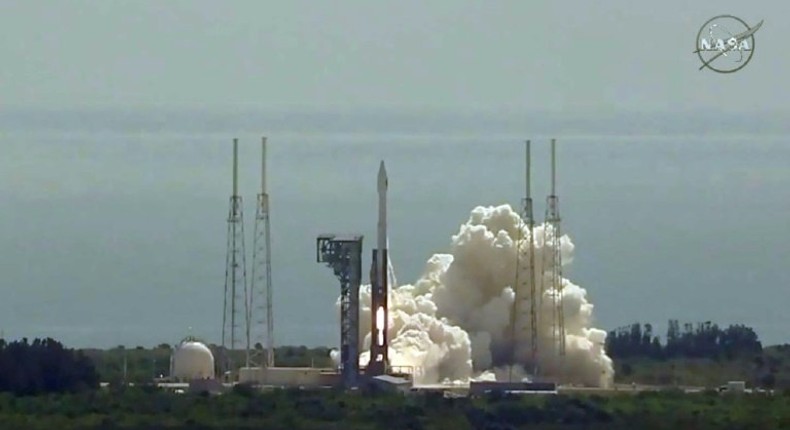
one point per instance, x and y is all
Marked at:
(525, 257)
(344, 255)
(529, 219)
(553, 260)
(235, 302)
(260, 321)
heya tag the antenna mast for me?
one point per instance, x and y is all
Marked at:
(262, 317)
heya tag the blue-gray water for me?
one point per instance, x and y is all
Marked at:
(112, 227)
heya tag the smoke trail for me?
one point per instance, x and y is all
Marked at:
(452, 324)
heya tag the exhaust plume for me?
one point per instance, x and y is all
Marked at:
(452, 324)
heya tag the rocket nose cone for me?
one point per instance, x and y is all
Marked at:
(382, 182)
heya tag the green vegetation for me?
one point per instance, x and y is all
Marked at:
(142, 365)
(698, 355)
(706, 341)
(43, 366)
(45, 386)
(147, 408)
(767, 369)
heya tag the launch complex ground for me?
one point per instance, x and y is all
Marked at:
(458, 390)
(249, 305)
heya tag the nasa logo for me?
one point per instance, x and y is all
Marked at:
(728, 40)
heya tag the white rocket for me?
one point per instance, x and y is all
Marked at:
(381, 268)
(379, 280)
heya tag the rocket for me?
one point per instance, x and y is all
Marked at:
(379, 323)
(381, 268)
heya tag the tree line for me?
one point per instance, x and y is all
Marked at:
(703, 340)
(44, 366)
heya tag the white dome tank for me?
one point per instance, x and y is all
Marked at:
(193, 360)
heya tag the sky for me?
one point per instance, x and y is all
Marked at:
(550, 55)
(115, 190)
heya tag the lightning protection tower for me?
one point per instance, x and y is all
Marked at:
(260, 320)
(553, 258)
(525, 282)
(235, 304)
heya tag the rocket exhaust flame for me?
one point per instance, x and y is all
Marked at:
(380, 325)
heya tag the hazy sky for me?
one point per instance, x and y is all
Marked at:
(117, 214)
(485, 54)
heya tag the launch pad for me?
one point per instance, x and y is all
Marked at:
(251, 304)
(343, 253)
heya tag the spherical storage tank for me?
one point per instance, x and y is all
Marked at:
(193, 360)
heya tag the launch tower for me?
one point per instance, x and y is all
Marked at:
(553, 259)
(344, 255)
(235, 300)
(525, 282)
(260, 319)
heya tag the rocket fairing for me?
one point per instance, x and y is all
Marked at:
(379, 345)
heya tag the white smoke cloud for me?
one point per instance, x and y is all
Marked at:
(452, 325)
